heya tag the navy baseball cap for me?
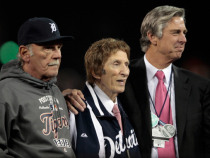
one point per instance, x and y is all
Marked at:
(40, 30)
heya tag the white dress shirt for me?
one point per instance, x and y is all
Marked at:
(106, 101)
(152, 82)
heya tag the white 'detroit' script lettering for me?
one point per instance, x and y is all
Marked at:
(118, 145)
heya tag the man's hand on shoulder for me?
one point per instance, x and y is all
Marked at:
(75, 100)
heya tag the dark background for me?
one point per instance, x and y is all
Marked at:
(89, 21)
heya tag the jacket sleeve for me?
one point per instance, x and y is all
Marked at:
(4, 134)
(206, 103)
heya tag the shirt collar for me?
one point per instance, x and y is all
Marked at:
(106, 101)
(151, 70)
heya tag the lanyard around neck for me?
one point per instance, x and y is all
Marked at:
(170, 80)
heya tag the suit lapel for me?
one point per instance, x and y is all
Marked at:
(139, 78)
(139, 81)
(182, 91)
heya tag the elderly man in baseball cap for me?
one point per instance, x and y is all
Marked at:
(33, 113)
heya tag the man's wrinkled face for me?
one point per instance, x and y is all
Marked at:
(115, 73)
(44, 60)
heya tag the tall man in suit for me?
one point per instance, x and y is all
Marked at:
(163, 40)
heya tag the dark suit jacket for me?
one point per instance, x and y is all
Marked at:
(192, 104)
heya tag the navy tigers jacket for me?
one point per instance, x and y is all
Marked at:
(97, 133)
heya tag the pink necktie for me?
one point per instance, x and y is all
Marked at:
(165, 115)
(116, 113)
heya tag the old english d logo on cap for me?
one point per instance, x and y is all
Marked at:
(53, 27)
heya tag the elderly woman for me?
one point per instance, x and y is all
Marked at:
(98, 131)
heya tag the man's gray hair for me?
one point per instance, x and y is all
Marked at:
(156, 20)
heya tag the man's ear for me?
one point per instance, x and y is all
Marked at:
(95, 75)
(153, 39)
(24, 53)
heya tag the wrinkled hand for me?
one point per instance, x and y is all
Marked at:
(74, 99)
